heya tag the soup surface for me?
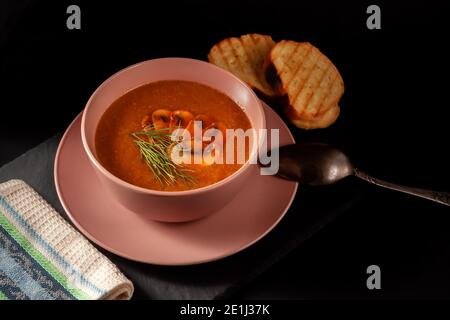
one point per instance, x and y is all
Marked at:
(118, 152)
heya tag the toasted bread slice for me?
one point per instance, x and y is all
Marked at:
(311, 82)
(323, 120)
(244, 57)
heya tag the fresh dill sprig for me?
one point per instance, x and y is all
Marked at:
(153, 145)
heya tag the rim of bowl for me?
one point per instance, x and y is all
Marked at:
(128, 185)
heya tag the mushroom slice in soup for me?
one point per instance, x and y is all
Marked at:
(181, 118)
(161, 118)
(193, 153)
(200, 121)
(220, 126)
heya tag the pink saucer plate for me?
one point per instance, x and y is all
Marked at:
(252, 214)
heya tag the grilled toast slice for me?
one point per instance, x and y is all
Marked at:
(310, 81)
(244, 57)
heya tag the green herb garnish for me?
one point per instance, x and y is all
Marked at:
(153, 146)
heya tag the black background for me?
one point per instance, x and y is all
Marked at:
(394, 122)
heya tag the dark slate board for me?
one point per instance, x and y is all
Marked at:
(308, 214)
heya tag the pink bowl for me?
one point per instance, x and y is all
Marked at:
(175, 206)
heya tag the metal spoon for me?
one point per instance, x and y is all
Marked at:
(321, 164)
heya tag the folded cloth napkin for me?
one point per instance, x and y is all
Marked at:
(43, 257)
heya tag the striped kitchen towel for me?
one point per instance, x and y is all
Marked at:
(43, 257)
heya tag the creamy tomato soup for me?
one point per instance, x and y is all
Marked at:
(154, 107)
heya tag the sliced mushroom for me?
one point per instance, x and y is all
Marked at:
(161, 118)
(200, 121)
(218, 125)
(181, 118)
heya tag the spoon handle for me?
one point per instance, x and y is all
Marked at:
(440, 197)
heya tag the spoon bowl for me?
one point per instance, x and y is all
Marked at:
(314, 164)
